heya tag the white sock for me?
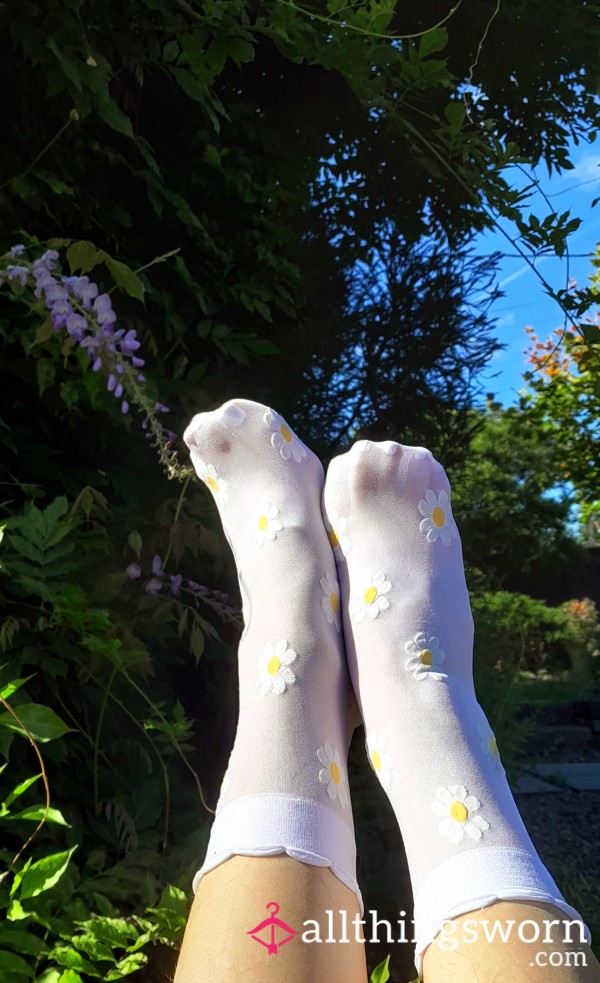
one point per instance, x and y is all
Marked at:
(409, 642)
(286, 786)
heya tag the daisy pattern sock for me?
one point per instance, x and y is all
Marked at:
(409, 640)
(285, 789)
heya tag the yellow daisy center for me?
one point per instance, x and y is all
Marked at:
(459, 812)
(438, 516)
(263, 522)
(335, 604)
(273, 666)
(376, 759)
(212, 484)
(426, 657)
(334, 539)
(335, 772)
(370, 595)
(286, 433)
(494, 746)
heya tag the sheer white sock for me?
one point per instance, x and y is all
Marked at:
(409, 641)
(285, 788)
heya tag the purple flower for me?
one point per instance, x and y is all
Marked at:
(20, 273)
(97, 365)
(176, 580)
(112, 381)
(157, 569)
(130, 344)
(153, 586)
(103, 309)
(59, 312)
(137, 363)
(133, 571)
(124, 407)
(76, 323)
(161, 408)
(55, 292)
(16, 251)
(118, 390)
(46, 261)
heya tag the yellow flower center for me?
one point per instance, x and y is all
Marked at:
(459, 812)
(335, 773)
(212, 484)
(335, 604)
(334, 539)
(273, 666)
(285, 433)
(494, 747)
(376, 759)
(370, 595)
(438, 516)
(263, 522)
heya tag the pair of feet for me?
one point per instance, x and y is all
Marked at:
(356, 584)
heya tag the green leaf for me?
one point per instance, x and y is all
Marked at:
(135, 541)
(19, 789)
(11, 963)
(70, 976)
(127, 965)
(41, 875)
(45, 371)
(83, 256)
(381, 973)
(171, 51)
(42, 723)
(38, 812)
(12, 687)
(21, 941)
(433, 41)
(124, 277)
(455, 114)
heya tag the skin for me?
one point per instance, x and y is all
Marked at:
(232, 898)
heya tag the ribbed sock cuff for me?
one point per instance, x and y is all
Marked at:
(477, 878)
(263, 825)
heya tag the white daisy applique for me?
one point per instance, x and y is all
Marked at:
(267, 524)
(338, 540)
(380, 759)
(283, 438)
(371, 599)
(274, 673)
(459, 814)
(211, 479)
(425, 657)
(438, 522)
(331, 600)
(332, 774)
(489, 746)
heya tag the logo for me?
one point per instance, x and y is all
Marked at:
(274, 931)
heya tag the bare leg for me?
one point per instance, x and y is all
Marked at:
(548, 958)
(232, 899)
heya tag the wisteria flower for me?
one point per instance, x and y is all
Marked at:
(274, 673)
(371, 599)
(438, 522)
(459, 814)
(333, 774)
(426, 657)
(283, 439)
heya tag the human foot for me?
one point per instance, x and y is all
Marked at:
(408, 634)
(286, 784)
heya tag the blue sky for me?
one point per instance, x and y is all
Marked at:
(525, 301)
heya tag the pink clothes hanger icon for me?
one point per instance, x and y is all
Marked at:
(271, 924)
